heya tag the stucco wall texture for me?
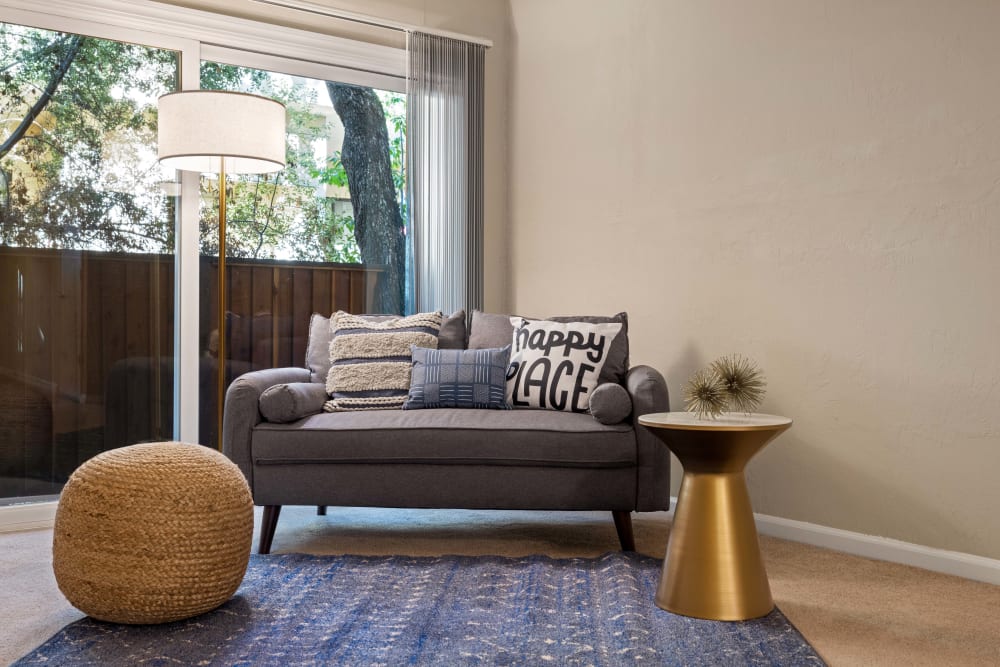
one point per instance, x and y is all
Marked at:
(815, 185)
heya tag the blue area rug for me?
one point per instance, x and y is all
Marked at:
(395, 610)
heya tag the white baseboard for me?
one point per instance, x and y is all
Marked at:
(978, 568)
(957, 563)
(30, 516)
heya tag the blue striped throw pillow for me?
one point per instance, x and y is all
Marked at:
(459, 379)
(370, 359)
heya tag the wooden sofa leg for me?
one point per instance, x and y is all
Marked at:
(321, 510)
(623, 524)
(267, 526)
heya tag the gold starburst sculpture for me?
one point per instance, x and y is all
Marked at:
(705, 395)
(742, 381)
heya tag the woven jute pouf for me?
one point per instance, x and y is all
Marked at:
(152, 533)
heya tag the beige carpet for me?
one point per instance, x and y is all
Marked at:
(853, 610)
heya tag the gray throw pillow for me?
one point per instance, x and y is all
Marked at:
(318, 348)
(284, 403)
(610, 403)
(459, 379)
(490, 330)
(452, 335)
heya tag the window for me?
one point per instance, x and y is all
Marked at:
(327, 233)
(111, 323)
(86, 253)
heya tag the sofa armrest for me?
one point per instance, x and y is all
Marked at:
(649, 394)
(242, 411)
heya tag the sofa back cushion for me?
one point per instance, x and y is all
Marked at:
(453, 332)
(370, 360)
(489, 330)
(318, 348)
(492, 330)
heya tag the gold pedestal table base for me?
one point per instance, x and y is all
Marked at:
(713, 568)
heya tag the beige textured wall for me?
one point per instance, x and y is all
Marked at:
(489, 19)
(813, 184)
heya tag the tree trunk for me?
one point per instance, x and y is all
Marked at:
(378, 225)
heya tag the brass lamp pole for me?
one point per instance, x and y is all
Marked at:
(210, 131)
(221, 393)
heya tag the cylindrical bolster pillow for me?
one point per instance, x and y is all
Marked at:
(288, 402)
(610, 403)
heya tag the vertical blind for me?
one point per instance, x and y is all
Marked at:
(444, 138)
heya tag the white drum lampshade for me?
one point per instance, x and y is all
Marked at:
(197, 128)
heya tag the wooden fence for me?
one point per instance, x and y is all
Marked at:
(70, 320)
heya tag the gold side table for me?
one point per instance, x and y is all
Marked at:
(713, 567)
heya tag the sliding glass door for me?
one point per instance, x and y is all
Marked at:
(87, 237)
(108, 263)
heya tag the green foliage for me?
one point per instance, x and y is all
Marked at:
(76, 178)
(218, 76)
(329, 239)
(85, 175)
(395, 108)
(266, 213)
(293, 213)
(332, 173)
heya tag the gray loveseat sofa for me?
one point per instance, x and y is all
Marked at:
(449, 458)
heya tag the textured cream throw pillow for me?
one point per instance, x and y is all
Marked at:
(370, 359)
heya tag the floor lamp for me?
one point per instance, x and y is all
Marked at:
(215, 131)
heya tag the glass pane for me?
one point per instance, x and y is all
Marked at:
(86, 254)
(325, 234)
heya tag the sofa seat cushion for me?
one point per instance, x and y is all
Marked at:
(448, 436)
